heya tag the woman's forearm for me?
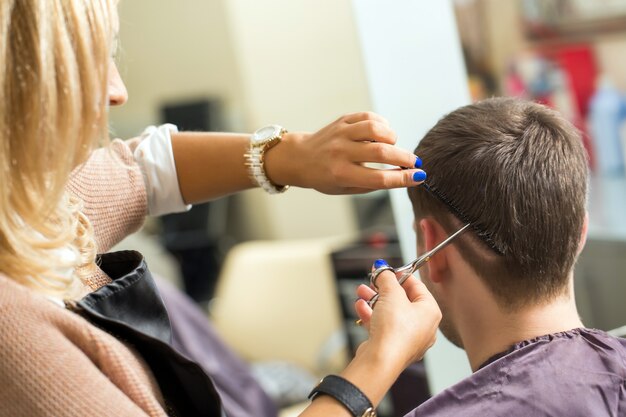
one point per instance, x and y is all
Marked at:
(371, 372)
(210, 165)
(333, 160)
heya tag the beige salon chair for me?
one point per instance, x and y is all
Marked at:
(276, 300)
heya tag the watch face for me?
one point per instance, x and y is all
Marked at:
(265, 133)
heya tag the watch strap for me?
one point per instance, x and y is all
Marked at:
(255, 161)
(348, 394)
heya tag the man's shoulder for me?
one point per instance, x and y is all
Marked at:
(575, 373)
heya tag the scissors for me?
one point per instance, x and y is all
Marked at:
(404, 272)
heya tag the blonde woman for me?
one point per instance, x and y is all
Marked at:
(87, 335)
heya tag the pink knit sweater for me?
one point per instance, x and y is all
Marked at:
(52, 361)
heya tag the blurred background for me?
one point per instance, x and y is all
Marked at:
(281, 270)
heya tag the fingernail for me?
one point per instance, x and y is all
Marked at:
(418, 162)
(379, 263)
(419, 176)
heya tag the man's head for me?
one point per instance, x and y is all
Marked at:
(518, 172)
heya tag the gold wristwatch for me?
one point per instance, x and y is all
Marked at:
(261, 141)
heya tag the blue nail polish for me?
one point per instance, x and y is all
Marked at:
(418, 162)
(379, 263)
(419, 176)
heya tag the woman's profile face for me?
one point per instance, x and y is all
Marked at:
(116, 89)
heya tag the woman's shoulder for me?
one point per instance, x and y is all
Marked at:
(24, 311)
(52, 361)
(35, 329)
(13, 294)
(27, 316)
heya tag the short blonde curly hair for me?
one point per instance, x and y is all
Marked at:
(54, 63)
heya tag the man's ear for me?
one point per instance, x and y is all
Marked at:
(583, 234)
(433, 234)
(419, 241)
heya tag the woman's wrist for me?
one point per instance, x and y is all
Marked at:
(346, 393)
(373, 371)
(368, 378)
(282, 163)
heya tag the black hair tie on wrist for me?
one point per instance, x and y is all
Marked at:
(348, 394)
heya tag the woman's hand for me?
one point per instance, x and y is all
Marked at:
(401, 328)
(403, 324)
(332, 160)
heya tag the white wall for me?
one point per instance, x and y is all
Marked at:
(299, 60)
(271, 61)
(300, 67)
(416, 74)
(173, 50)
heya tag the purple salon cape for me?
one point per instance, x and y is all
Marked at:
(578, 373)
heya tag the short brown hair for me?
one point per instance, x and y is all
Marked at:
(518, 172)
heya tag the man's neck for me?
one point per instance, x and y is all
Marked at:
(488, 330)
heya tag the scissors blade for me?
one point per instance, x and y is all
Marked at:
(426, 257)
(410, 268)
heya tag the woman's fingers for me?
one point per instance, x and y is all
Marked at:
(361, 116)
(415, 289)
(332, 159)
(364, 311)
(364, 292)
(371, 130)
(387, 282)
(382, 153)
(404, 320)
(359, 176)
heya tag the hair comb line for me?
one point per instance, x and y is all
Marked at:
(484, 236)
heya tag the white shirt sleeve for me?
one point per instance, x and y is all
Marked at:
(156, 160)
